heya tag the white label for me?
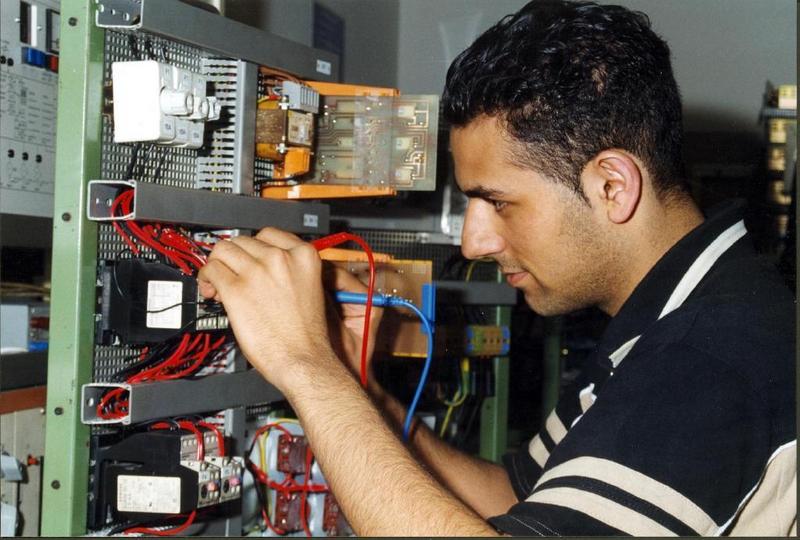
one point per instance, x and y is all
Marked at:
(323, 67)
(162, 295)
(150, 494)
(310, 220)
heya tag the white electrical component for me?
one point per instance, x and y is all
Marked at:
(161, 103)
(300, 97)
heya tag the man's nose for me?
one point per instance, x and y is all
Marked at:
(479, 237)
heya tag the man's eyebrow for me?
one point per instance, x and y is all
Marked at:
(484, 193)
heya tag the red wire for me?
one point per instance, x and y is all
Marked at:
(180, 356)
(168, 532)
(340, 238)
(175, 246)
(112, 395)
(218, 433)
(149, 373)
(304, 496)
(117, 227)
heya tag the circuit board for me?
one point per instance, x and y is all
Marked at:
(378, 141)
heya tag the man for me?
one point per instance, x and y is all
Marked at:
(566, 138)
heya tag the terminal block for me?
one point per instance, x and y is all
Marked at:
(158, 102)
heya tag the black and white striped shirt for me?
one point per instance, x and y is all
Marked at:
(684, 423)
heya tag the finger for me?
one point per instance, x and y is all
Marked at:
(205, 288)
(215, 276)
(337, 278)
(233, 256)
(278, 238)
(253, 247)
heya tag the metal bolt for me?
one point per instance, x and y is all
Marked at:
(55, 484)
(58, 411)
(66, 216)
(91, 497)
(73, 21)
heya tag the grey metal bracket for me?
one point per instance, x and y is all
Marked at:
(213, 210)
(151, 401)
(181, 22)
(474, 293)
(245, 131)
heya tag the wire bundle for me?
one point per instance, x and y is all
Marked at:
(173, 244)
(188, 357)
(289, 484)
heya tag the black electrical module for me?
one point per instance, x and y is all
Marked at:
(144, 302)
(150, 475)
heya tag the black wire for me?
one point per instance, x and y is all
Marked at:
(148, 47)
(134, 159)
(172, 307)
(134, 46)
(257, 486)
(124, 527)
(157, 174)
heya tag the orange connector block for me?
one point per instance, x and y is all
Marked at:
(336, 89)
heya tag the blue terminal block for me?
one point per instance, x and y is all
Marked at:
(429, 302)
(34, 57)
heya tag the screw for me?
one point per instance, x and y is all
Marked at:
(66, 216)
(58, 411)
(73, 21)
(55, 484)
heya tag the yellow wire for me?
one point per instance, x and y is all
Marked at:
(459, 398)
(471, 267)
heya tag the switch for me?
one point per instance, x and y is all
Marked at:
(155, 101)
(52, 63)
(176, 102)
(33, 57)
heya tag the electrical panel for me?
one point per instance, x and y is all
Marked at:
(29, 64)
(198, 118)
(196, 129)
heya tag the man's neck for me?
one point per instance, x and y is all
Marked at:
(663, 226)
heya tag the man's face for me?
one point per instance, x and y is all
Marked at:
(543, 236)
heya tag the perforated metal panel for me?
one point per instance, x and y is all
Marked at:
(145, 162)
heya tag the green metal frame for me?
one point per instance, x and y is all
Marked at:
(494, 410)
(494, 414)
(78, 144)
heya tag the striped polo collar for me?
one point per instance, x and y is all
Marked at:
(651, 295)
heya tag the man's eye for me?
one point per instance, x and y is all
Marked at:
(498, 205)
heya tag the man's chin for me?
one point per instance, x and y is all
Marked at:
(547, 306)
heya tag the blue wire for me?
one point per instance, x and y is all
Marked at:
(391, 301)
(425, 369)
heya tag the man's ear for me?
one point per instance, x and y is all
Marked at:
(612, 181)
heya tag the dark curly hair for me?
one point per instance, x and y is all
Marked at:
(568, 80)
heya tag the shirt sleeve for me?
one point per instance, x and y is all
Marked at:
(671, 447)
